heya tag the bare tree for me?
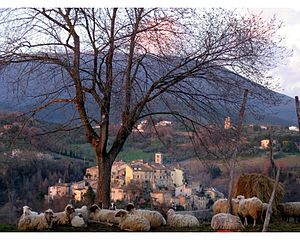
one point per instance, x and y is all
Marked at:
(122, 65)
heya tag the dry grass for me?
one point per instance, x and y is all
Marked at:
(258, 185)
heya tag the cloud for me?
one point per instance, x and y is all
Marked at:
(289, 75)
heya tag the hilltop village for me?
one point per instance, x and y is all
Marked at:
(151, 184)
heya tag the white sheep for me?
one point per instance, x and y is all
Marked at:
(83, 211)
(181, 220)
(250, 207)
(103, 215)
(226, 221)
(28, 211)
(65, 217)
(36, 222)
(220, 206)
(78, 221)
(154, 217)
(132, 222)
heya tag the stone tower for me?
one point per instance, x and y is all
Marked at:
(158, 158)
(227, 123)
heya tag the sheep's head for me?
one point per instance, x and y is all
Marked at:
(49, 215)
(129, 207)
(84, 208)
(170, 211)
(112, 206)
(94, 208)
(121, 213)
(240, 197)
(26, 210)
(69, 209)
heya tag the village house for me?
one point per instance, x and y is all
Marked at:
(294, 128)
(183, 201)
(162, 197)
(163, 123)
(227, 123)
(78, 193)
(264, 144)
(133, 192)
(91, 173)
(141, 126)
(7, 126)
(177, 175)
(78, 189)
(118, 173)
(141, 171)
(183, 190)
(198, 201)
(117, 194)
(59, 190)
(213, 193)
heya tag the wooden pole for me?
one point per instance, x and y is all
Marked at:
(297, 110)
(269, 210)
(298, 117)
(234, 155)
(273, 169)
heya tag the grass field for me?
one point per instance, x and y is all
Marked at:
(275, 226)
(134, 154)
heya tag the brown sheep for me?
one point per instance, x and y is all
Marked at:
(250, 207)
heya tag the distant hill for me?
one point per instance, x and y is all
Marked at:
(13, 98)
(284, 114)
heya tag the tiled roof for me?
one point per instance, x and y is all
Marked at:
(141, 167)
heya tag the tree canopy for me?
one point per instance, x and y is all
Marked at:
(130, 63)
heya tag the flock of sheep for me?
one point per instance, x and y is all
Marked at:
(133, 219)
(244, 208)
(130, 219)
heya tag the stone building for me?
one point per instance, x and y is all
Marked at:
(177, 175)
(117, 194)
(59, 190)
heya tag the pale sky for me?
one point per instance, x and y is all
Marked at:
(288, 11)
(288, 75)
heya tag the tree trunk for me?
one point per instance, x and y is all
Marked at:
(230, 188)
(269, 210)
(104, 179)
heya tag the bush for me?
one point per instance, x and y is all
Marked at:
(215, 172)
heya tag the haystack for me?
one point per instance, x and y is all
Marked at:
(258, 185)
